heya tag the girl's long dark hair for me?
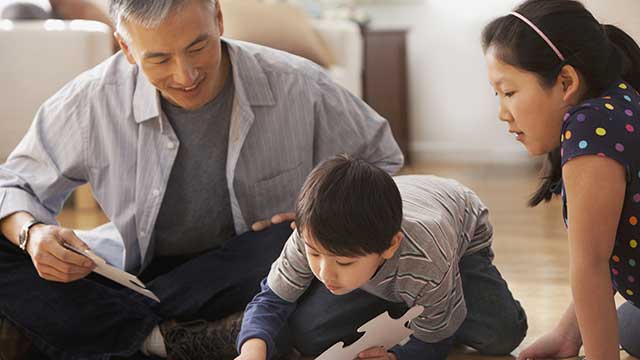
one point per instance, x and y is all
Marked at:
(601, 53)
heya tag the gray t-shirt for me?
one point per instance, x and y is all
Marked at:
(443, 221)
(195, 215)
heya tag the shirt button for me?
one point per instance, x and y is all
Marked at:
(143, 234)
(155, 193)
(171, 146)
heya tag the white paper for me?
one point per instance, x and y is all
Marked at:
(121, 277)
(380, 331)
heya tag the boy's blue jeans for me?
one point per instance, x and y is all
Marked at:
(94, 318)
(495, 324)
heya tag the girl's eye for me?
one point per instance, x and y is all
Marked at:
(509, 94)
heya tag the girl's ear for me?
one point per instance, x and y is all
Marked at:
(571, 84)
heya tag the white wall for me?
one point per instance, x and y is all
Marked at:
(453, 110)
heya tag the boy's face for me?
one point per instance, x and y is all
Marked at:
(341, 274)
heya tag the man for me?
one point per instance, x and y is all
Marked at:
(187, 139)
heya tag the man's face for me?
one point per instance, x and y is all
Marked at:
(183, 56)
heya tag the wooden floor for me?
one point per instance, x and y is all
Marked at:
(530, 244)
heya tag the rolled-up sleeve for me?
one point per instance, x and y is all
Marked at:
(346, 124)
(47, 164)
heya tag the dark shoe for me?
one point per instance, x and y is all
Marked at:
(14, 345)
(202, 339)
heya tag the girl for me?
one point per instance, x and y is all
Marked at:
(566, 85)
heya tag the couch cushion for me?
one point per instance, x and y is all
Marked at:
(278, 25)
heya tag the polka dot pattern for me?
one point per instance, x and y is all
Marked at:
(606, 127)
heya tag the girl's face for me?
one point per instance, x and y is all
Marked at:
(533, 113)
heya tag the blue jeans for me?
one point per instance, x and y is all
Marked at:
(629, 328)
(495, 325)
(94, 318)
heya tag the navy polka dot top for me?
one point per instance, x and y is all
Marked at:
(609, 126)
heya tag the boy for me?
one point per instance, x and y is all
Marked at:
(377, 243)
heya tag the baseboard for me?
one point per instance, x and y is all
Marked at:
(449, 152)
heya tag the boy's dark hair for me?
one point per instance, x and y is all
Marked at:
(350, 207)
(601, 53)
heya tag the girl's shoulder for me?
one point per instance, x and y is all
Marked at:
(608, 125)
(619, 100)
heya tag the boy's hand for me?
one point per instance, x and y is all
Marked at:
(377, 353)
(253, 349)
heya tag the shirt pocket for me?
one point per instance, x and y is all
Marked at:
(277, 193)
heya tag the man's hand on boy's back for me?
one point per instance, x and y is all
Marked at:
(377, 353)
(276, 219)
(253, 349)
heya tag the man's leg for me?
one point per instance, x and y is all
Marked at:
(629, 326)
(322, 319)
(86, 318)
(496, 323)
(222, 281)
(202, 299)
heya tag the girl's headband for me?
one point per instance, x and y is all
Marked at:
(542, 35)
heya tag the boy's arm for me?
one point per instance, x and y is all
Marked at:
(416, 349)
(263, 319)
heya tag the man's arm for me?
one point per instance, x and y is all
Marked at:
(346, 124)
(264, 318)
(34, 182)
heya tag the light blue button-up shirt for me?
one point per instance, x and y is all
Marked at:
(106, 128)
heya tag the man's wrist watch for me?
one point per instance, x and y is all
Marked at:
(23, 237)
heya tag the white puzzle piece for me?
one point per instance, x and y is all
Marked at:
(121, 277)
(379, 331)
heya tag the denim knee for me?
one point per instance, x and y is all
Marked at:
(506, 334)
(629, 328)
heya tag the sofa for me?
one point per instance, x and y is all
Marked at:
(39, 57)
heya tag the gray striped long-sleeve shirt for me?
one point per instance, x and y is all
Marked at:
(443, 221)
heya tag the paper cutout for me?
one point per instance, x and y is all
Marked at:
(121, 277)
(380, 331)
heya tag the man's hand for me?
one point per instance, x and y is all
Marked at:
(276, 219)
(52, 260)
(253, 349)
(377, 353)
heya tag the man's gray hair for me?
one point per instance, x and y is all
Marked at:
(146, 13)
